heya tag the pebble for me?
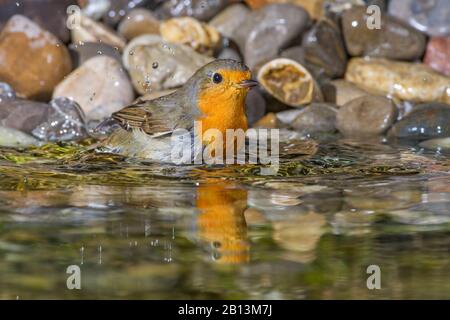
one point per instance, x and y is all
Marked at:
(315, 8)
(92, 31)
(437, 144)
(268, 30)
(367, 115)
(138, 22)
(50, 15)
(431, 17)
(316, 118)
(199, 36)
(340, 91)
(60, 120)
(255, 105)
(198, 9)
(406, 81)
(118, 9)
(100, 86)
(230, 19)
(426, 121)
(394, 40)
(32, 60)
(80, 53)
(289, 82)
(13, 138)
(176, 64)
(322, 51)
(437, 55)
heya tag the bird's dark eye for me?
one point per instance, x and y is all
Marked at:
(217, 78)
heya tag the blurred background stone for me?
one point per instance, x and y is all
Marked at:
(100, 86)
(50, 15)
(199, 9)
(255, 106)
(340, 91)
(230, 19)
(394, 40)
(32, 60)
(160, 65)
(269, 30)
(138, 22)
(93, 31)
(188, 31)
(80, 53)
(289, 82)
(407, 81)
(315, 8)
(429, 16)
(437, 55)
(118, 9)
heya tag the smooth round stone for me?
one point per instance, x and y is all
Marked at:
(198, 9)
(368, 115)
(437, 144)
(394, 40)
(426, 121)
(118, 9)
(199, 36)
(431, 17)
(289, 82)
(268, 30)
(100, 86)
(340, 92)
(255, 106)
(51, 15)
(315, 8)
(82, 52)
(437, 55)
(160, 65)
(406, 81)
(269, 121)
(13, 138)
(90, 30)
(138, 22)
(316, 118)
(322, 50)
(230, 19)
(32, 60)
(60, 120)
(229, 53)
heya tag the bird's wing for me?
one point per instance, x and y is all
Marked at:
(155, 117)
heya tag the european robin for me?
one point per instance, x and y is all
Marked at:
(213, 97)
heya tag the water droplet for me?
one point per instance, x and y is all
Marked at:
(155, 65)
(131, 53)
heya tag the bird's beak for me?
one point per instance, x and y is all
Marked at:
(248, 84)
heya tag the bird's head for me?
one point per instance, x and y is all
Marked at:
(223, 82)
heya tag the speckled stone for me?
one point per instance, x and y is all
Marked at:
(367, 115)
(406, 81)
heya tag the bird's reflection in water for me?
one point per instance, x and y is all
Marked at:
(221, 222)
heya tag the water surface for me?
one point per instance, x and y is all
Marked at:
(146, 231)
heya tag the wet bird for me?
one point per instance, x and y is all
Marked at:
(213, 97)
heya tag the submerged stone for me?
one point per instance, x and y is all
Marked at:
(426, 121)
(438, 144)
(13, 138)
